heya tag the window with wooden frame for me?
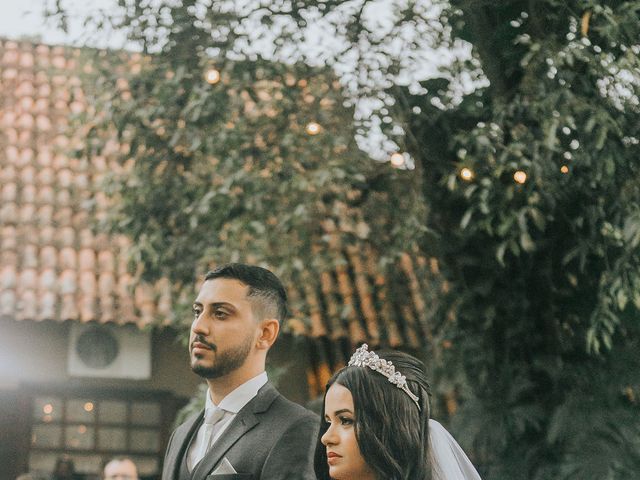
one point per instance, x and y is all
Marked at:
(92, 429)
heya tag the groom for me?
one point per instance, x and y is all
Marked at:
(247, 430)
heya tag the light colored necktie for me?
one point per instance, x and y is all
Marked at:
(211, 417)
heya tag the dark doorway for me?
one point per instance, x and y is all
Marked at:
(14, 441)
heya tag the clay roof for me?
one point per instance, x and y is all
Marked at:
(54, 267)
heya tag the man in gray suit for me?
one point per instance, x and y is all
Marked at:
(247, 430)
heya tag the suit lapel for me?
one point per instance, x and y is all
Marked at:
(180, 443)
(246, 419)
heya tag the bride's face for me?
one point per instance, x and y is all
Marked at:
(343, 453)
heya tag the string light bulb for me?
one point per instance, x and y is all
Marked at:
(564, 169)
(466, 174)
(397, 159)
(212, 76)
(313, 128)
(520, 177)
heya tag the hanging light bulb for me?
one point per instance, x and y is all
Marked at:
(466, 174)
(564, 169)
(212, 76)
(313, 128)
(397, 159)
(520, 177)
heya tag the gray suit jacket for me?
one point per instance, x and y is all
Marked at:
(271, 438)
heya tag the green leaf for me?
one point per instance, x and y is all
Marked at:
(621, 299)
(526, 242)
(538, 218)
(500, 253)
(601, 137)
(466, 218)
(551, 134)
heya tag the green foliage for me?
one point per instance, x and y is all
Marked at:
(540, 319)
(544, 274)
(227, 169)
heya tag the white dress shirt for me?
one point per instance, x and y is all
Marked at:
(231, 404)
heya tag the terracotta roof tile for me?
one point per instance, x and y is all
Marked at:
(364, 293)
(336, 330)
(55, 268)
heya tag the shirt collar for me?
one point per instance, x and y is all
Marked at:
(239, 397)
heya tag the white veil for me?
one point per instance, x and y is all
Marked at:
(448, 460)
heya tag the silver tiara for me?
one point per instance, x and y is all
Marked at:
(362, 357)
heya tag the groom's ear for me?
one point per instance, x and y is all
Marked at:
(269, 329)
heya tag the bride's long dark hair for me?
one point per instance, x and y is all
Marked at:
(391, 431)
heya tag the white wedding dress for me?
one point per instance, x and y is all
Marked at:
(448, 460)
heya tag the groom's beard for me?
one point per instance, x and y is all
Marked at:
(224, 362)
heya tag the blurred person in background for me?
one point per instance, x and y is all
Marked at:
(64, 469)
(28, 476)
(120, 468)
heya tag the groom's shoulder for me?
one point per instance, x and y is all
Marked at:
(293, 411)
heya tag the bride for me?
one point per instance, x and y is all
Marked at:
(376, 425)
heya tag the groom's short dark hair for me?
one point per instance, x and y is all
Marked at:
(266, 292)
